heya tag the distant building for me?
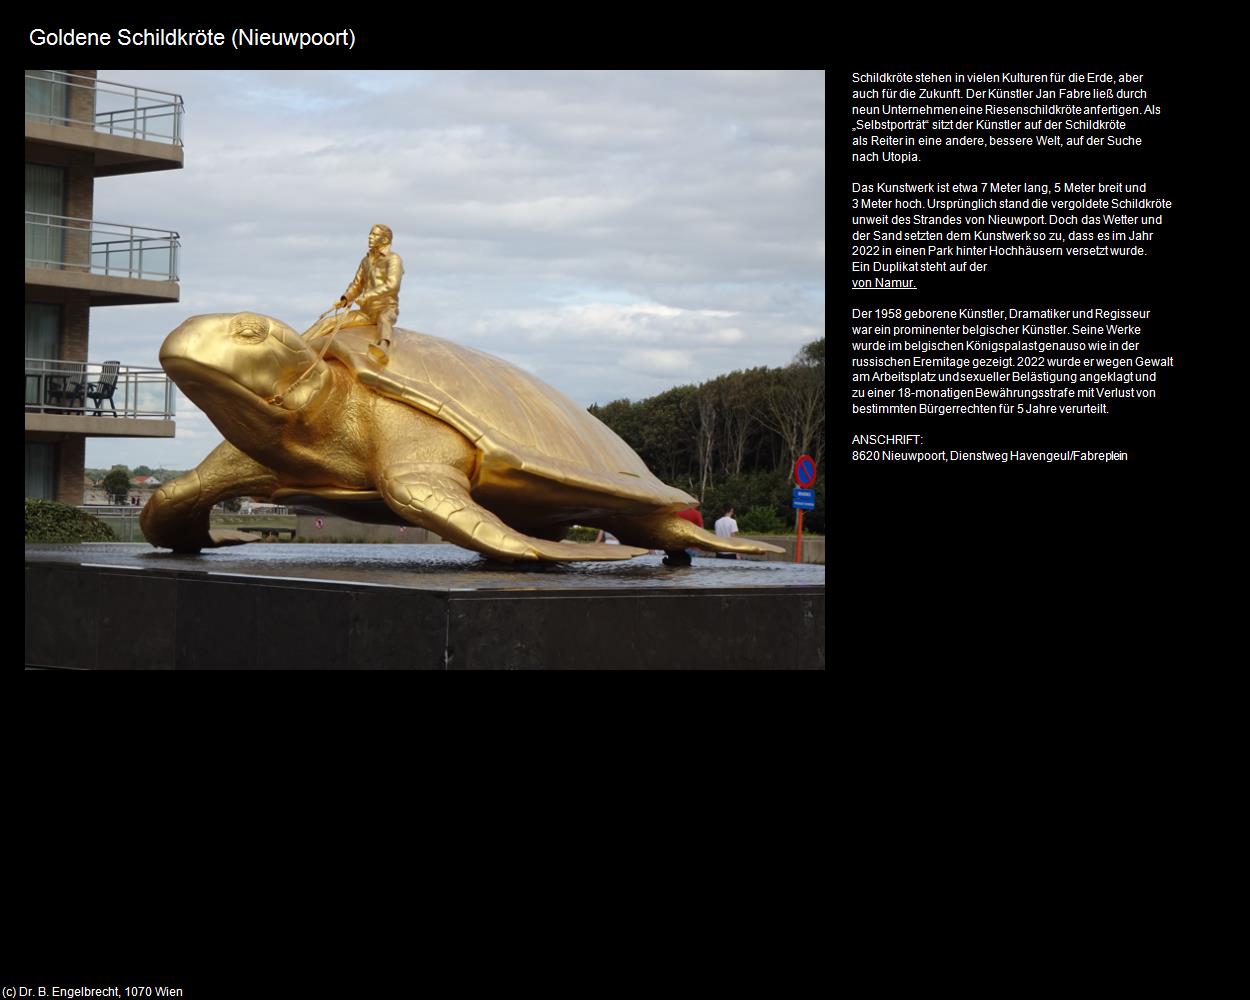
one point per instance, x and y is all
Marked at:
(249, 506)
(79, 128)
(141, 489)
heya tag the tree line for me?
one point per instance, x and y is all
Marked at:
(733, 439)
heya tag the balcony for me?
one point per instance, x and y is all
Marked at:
(114, 264)
(98, 399)
(128, 129)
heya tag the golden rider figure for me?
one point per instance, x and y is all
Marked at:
(375, 289)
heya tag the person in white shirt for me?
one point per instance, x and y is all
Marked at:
(727, 527)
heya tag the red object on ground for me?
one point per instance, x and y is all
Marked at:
(692, 515)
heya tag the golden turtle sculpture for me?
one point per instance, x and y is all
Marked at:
(440, 436)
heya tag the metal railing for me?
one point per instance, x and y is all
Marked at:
(122, 519)
(259, 509)
(114, 108)
(81, 388)
(95, 247)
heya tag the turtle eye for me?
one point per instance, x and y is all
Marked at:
(249, 328)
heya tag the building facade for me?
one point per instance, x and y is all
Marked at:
(79, 128)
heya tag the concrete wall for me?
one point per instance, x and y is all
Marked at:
(71, 453)
(82, 99)
(339, 529)
(79, 204)
(100, 617)
(813, 548)
(49, 424)
(75, 322)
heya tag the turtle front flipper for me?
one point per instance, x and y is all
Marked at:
(437, 497)
(177, 516)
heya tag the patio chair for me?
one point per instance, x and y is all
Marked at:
(63, 392)
(99, 391)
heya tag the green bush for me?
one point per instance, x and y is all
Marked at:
(47, 521)
(761, 521)
(577, 533)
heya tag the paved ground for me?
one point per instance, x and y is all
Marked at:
(434, 567)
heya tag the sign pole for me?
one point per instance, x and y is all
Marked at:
(803, 498)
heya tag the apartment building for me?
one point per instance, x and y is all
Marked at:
(79, 128)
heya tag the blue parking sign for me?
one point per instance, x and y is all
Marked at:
(803, 499)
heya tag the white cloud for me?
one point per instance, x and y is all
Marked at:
(659, 362)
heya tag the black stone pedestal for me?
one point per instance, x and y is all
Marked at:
(424, 607)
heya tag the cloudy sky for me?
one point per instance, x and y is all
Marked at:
(615, 233)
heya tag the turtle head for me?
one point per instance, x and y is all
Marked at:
(241, 369)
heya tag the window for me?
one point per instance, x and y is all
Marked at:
(43, 330)
(43, 340)
(45, 203)
(40, 471)
(47, 95)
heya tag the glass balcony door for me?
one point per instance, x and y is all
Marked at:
(43, 340)
(45, 198)
(47, 95)
(40, 470)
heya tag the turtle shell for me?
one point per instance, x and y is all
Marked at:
(524, 430)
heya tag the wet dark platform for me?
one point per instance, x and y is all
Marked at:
(101, 606)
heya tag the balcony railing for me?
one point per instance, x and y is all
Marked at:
(115, 108)
(95, 247)
(93, 388)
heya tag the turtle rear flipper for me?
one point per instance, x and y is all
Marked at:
(670, 532)
(437, 497)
